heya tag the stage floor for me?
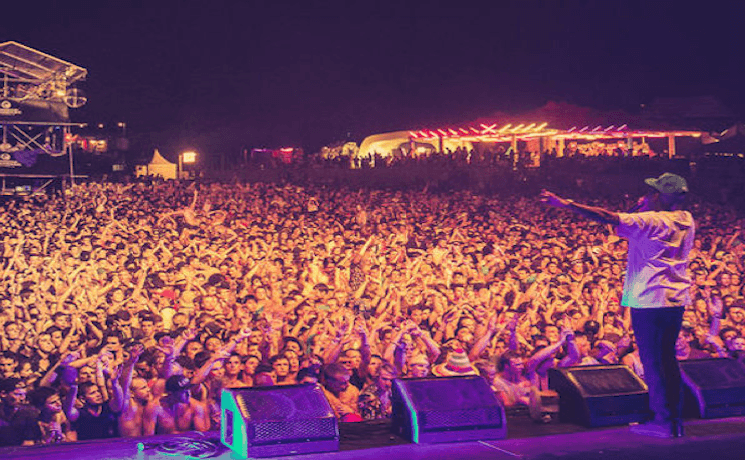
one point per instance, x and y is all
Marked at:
(705, 439)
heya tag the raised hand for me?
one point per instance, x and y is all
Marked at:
(714, 340)
(512, 324)
(70, 357)
(189, 334)
(134, 352)
(342, 329)
(221, 354)
(448, 316)
(716, 307)
(492, 325)
(243, 334)
(105, 357)
(606, 346)
(566, 333)
(276, 324)
(361, 329)
(166, 346)
(69, 375)
(552, 199)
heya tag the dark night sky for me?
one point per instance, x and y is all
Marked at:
(220, 75)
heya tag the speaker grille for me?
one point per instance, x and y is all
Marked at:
(447, 409)
(284, 404)
(606, 380)
(442, 395)
(710, 374)
(458, 418)
(279, 420)
(292, 430)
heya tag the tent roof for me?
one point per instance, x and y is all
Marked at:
(732, 141)
(731, 145)
(159, 160)
(663, 114)
(24, 63)
(736, 130)
(395, 137)
(562, 115)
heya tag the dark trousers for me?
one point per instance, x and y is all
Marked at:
(656, 330)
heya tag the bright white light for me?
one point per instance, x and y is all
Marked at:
(189, 157)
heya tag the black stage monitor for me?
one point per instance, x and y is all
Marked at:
(447, 409)
(277, 420)
(599, 395)
(714, 387)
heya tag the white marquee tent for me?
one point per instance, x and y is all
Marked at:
(383, 144)
(158, 166)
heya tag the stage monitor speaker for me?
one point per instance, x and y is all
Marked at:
(452, 409)
(714, 388)
(599, 395)
(278, 420)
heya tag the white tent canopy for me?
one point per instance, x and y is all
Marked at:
(158, 166)
(384, 144)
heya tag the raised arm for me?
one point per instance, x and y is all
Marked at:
(483, 341)
(71, 411)
(590, 212)
(126, 378)
(116, 403)
(715, 308)
(535, 361)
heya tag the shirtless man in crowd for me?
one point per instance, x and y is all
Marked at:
(137, 395)
(176, 412)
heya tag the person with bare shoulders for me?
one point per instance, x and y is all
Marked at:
(176, 412)
(136, 397)
(165, 365)
(131, 419)
(233, 372)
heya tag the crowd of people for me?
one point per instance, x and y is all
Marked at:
(482, 155)
(127, 308)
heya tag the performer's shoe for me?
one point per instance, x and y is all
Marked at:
(678, 431)
(654, 428)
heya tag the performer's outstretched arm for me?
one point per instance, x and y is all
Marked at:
(591, 212)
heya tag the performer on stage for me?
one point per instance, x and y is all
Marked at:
(660, 236)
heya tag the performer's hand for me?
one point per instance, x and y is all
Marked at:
(552, 199)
